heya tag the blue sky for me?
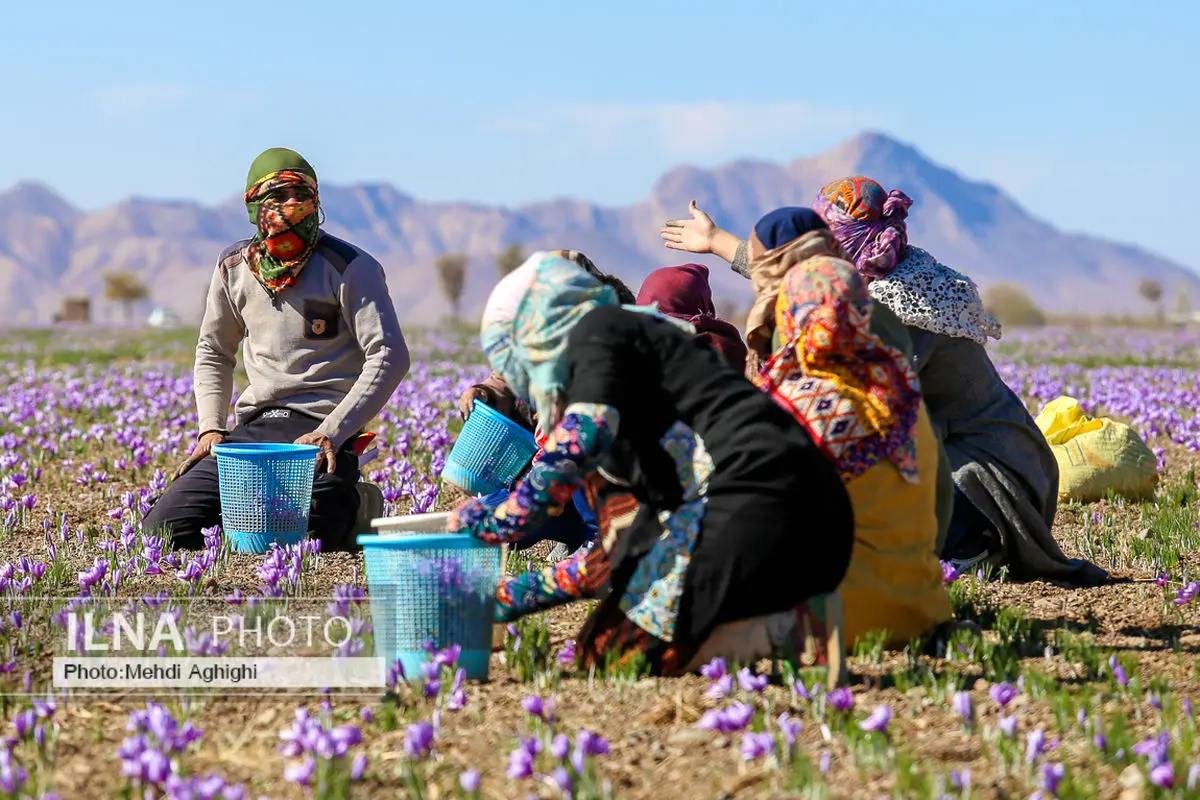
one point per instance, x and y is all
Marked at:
(1079, 110)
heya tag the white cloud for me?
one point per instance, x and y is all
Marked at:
(139, 99)
(684, 130)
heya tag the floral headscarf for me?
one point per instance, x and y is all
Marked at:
(527, 320)
(869, 223)
(857, 397)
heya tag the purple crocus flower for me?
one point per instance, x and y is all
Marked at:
(535, 706)
(1118, 672)
(418, 740)
(1035, 745)
(738, 716)
(878, 721)
(24, 723)
(1163, 775)
(721, 688)
(1052, 775)
(520, 764)
(1100, 742)
(469, 781)
(591, 744)
(1008, 726)
(757, 745)
(1003, 693)
(841, 699)
(790, 728)
(448, 657)
(567, 656)
(562, 779)
(960, 780)
(714, 670)
(964, 707)
(751, 682)
(560, 747)
(302, 773)
(358, 766)
(155, 767)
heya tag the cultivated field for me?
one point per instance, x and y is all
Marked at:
(1084, 693)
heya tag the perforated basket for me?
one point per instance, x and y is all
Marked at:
(266, 492)
(489, 453)
(434, 589)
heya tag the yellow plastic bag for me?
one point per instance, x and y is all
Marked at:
(1096, 456)
(1063, 419)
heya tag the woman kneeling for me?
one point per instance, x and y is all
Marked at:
(711, 563)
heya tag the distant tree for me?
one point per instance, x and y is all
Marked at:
(452, 276)
(125, 288)
(1152, 292)
(509, 259)
(1012, 305)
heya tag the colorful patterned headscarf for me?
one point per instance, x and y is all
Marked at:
(285, 205)
(857, 397)
(868, 222)
(527, 320)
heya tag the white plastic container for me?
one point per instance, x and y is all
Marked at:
(411, 523)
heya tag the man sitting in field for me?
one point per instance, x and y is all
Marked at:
(321, 345)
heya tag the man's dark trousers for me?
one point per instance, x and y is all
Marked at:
(193, 502)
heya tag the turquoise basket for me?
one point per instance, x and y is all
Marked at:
(490, 452)
(431, 589)
(266, 493)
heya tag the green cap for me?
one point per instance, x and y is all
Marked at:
(276, 159)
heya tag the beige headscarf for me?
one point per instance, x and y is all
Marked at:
(767, 271)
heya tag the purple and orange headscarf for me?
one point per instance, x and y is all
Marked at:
(868, 222)
(683, 293)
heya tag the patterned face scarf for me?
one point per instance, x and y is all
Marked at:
(869, 223)
(857, 397)
(285, 205)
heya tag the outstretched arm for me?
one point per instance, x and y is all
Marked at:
(585, 434)
(701, 235)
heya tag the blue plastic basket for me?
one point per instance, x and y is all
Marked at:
(490, 452)
(438, 589)
(266, 492)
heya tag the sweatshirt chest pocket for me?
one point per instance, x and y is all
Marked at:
(321, 320)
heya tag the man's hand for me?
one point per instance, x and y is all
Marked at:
(203, 448)
(328, 456)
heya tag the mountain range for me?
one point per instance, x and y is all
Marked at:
(49, 249)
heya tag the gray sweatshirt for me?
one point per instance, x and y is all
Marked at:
(329, 346)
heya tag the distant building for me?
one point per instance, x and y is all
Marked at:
(75, 310)
(163, 318)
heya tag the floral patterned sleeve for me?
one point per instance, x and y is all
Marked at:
(586, 432)
(538, 590)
